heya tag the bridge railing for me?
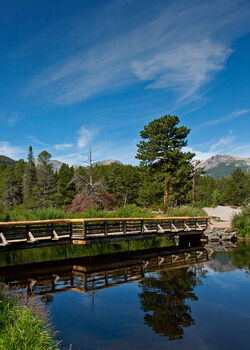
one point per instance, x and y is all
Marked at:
(89, 229)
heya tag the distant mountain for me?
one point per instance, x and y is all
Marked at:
(56, 164)
(107, 162)
(223, 165)
(6, 160)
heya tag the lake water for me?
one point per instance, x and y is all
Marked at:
(185, 297)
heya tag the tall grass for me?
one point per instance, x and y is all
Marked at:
(23, 324)
(241, 222)
(20, 213)
(185, 210)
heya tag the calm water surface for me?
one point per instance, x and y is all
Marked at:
(149, 300)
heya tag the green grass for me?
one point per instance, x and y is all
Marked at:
(186, 210)
(23, 324)
(19, 213)
(241, 222)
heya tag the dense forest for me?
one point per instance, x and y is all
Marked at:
(166, 177)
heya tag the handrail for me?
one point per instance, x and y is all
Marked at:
(11, 223)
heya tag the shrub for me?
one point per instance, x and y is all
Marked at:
(186, 210)
(241, 222)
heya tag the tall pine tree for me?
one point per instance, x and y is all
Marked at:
(65, 189)
(45, 180)
(162, 151)
(29, 181)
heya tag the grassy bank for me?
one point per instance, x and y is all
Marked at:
(241, 222)
(19, 213)
(23, 324)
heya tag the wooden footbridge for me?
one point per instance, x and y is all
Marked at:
(84, 231)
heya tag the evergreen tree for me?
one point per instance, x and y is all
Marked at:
(3, 169)
(10, 196)
(65, 189)
(237, 189)
(19, 176)
(162, 150)
(29, 181)
(45, 180)
(122, 181)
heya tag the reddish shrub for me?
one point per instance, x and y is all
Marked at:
(100, 200)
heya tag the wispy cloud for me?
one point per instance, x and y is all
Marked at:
(222, 143)
(9, 150)
(236, 114)
(229, 144)
(84, 137)
(9, 118)
(184, 68)
(63, 146)
(37, 141)
(177, 46)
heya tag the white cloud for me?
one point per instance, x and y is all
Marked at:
(222, 144)
(228, 117)
(62, 146)
(228, 144)
(184, 68)
(37, 141)
(199, 154)
(84, 137)
(9, 150)
(178, 46)
(9, 118)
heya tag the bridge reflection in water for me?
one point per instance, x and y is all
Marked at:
(91, 274)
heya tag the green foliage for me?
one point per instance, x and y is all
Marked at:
(7, 161)
(9, 184)
(19, 213)
(165, 178)
(241, 222)
(23, 325)
(65, 188)
(163, 139)
(237, 188)
(161, 152)
(185, 210)
(241, 256)
(234, 190)
(45, 180)
(29, 181)
(122, 181)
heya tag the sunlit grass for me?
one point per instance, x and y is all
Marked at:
(185, 210)
(23, 324)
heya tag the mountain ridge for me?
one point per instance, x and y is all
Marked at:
(222, 165)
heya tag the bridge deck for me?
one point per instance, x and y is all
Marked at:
(82, 231)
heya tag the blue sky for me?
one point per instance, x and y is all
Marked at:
(81, 73)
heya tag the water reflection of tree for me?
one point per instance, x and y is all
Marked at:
(164, 300)
(241, 256)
